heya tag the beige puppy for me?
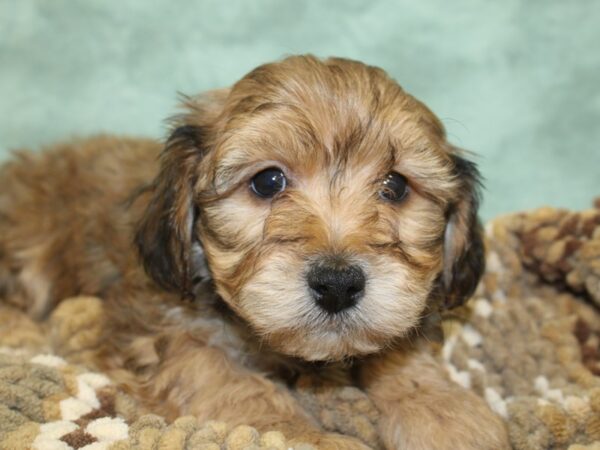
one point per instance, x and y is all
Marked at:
(312, 212)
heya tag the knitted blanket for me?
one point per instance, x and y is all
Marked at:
(528, 342)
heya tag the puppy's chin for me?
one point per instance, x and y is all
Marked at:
(323, 345)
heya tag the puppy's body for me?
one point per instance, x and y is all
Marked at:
(334, 130)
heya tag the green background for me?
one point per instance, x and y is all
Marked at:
(516, 81)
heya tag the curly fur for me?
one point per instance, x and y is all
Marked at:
(145, 228)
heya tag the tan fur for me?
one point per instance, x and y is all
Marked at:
(68, 218)
(421, 410)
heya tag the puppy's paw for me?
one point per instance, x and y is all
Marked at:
(331, 441)
(459, 420)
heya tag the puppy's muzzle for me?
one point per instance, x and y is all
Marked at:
(336, 288)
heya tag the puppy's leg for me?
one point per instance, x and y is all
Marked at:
(203, 381)
(423, 410)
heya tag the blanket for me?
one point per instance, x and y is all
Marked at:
(528, 342)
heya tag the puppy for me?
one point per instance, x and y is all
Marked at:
(314, 212)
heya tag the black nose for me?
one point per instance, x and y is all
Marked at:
(336, 288)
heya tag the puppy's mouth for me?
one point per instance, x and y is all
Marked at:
(329, 330)
(331, 339)
(329, 310)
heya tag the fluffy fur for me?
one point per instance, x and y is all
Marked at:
(225, 314)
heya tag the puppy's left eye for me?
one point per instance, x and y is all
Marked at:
(268, 182)
(394, 187)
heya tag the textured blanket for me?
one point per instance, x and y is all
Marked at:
(528, 342)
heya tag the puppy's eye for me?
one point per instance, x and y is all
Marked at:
(394, 187)
(268, 182)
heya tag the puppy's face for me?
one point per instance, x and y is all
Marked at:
(328, 204)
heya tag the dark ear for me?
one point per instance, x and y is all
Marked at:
(464, 254)
(164, 236)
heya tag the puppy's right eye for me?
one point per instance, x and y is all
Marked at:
(269, 182)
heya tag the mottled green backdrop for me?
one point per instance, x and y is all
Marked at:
(517, 81)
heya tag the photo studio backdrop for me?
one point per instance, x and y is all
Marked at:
(516, 81)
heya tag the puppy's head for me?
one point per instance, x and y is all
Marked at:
(327, 202)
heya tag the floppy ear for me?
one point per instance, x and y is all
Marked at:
(164, 236)
(464, 253)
